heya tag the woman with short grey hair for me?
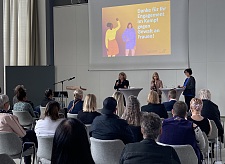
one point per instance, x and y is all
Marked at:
(205, 94)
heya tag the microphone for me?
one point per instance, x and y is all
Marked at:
(71, 78)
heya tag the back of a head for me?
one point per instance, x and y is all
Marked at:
(78, 94)
(153, 97)
(118, 96)
(196, 105)
(48, 93)
(180, 109)
(188, 70)
(21, 94)
(204, 94)
(172, 94)
(151, 125)
(123, 74)
(19, 87)
(132, 112)
(70, 143)
(52, 110)
(90, 103)
(3, 100)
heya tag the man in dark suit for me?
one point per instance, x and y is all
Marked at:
(172, 100)
(109, 126)
(148, 151)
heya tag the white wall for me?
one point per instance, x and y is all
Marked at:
(207, 47)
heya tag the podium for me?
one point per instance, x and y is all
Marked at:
(165, 91)
(130, 91)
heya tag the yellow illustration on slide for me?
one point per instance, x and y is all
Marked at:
(110, 39)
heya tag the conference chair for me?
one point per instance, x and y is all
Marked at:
(12, 145)
(44, 151)
(205, 151)
(169, 114)
(6, 159)
(25, 119)
(106, 151)
(213, 139)
(42, 110)
(69, 115)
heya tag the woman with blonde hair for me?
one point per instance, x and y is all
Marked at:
(156, 84)
(204, 123)
(132, 115)
(118, 96)
(88, 114)
(154, 105)
(77, 104)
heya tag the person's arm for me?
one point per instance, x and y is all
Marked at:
(160, 84)
(152, 85)
(116, 84)
(199, 137)
(13, 122)
(70, 106)
(118, 25)
(191, 83)
(126, 84)
(106, 40)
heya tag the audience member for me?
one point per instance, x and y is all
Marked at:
(70, 144)
(211, 111)
(10, 123)
(76, 105)
(88, 114)
(179, 131)
(204, 123)
(132, 115)
(109, 126)
(148, 151)
(51, 120)
(15, 100)
(118, 96)
(172, 94)
(22, 105)
(48, 97)
(154, 106)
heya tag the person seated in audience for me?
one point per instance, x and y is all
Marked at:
(211, 111)
(22, 105)
(118, 96)
(132, 115)
(51, 120)
(70, 144)
(154, 106)
(179, 131)
(109, 126)
(148, 151)
(48, 97)
(88, 114)
(10, 123)
(204, 123)
(172, 94)
(76, 105)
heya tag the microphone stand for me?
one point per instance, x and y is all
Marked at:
(62, 88)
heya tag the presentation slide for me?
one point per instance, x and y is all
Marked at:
(138, 34)
(136, 30)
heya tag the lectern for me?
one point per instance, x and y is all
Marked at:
(130, 91)
(165, 91)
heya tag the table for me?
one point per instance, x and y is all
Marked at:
(165, 91)
(130, 91)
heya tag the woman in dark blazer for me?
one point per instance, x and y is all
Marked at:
(122, 81)
(189, 87)
(154, 105)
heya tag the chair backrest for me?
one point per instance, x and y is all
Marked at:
(69, 115)
(25, 119)
(106, 151)
(186, 154)
(214, 133)
(169, 114)
(5, 159)
(42, 110)
(10, 144)
(45, 144)
(206, 148)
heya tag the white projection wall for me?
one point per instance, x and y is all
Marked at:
(164, 48)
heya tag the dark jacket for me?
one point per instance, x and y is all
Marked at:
(211, 111)
(121, 84)
(190, 87)
(78, 106)
(87, 117)
(169, 105)
(45, 101)
(110, 127)
(155, 108)
(148, 151)
(136, 130)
